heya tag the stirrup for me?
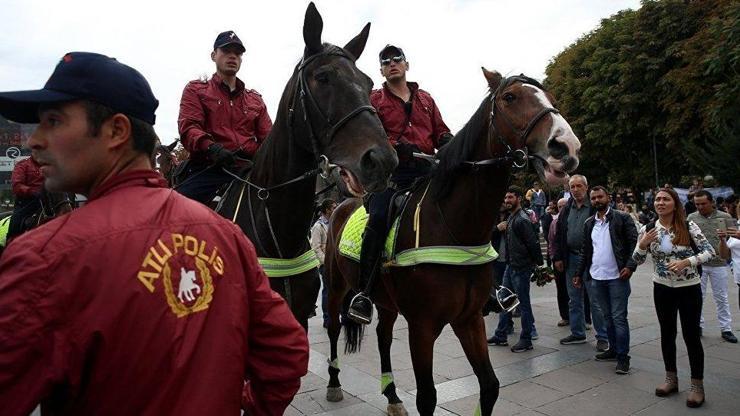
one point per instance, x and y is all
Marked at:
(355, 315)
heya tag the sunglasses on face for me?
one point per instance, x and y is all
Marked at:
(387, 61)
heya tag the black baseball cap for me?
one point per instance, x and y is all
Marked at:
(391, 48)
(228, 38)
(90, 76)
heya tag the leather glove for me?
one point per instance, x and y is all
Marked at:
(220, 156)
(444, 139)
(405, 151)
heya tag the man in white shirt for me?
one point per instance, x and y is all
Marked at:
(609, 238)
(318, 244)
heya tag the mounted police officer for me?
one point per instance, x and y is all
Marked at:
(413, 123)
(219, 119)
(27, 185)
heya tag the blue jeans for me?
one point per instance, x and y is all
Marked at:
(518, 281)
(575, 304)
(612, 296)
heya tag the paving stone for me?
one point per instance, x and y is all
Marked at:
(354, 410)
(608, 398)
(567, 381)
(467, 406)
(530, 395)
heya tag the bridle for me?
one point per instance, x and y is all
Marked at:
(519, 156)
(301, 96)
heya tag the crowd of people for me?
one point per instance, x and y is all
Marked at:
(595, 241)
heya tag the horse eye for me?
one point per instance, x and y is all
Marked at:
(322, 77)
(509, 97)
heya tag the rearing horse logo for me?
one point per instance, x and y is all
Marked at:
(187, 286)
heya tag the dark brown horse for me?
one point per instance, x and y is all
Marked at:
(515, 123)
(324, 119)
(165, 161)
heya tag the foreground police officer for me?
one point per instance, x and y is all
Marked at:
(219, 119)
(142, 301)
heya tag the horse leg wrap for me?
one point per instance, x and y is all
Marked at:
(388, 388)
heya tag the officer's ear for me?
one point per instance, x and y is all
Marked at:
(116, 131)
(213, 56)
(407, 65)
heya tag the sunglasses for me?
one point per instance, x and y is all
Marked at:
(387, 61)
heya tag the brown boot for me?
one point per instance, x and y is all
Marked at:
(696, 393)
(670, 385)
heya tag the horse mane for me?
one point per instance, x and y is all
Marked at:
(457, 151)
(462, 146)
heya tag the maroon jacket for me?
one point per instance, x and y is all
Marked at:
(26, 179)
(210, 113)
(423, 127)
(143, 302)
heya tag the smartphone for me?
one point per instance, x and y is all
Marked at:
(722, 224)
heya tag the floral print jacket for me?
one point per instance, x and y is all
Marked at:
(664, 251)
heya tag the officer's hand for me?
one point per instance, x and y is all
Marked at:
(444, 139)
(220, 156)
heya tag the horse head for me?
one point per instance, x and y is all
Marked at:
(330, 103)
(523, 111)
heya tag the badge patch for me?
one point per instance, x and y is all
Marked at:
(187, 289)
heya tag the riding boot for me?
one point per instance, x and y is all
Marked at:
(361, 307)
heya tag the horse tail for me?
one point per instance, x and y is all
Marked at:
(353, 332)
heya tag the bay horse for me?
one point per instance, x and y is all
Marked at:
(165, 161)
(324, 120)
(458, 206)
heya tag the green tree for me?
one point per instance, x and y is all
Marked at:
(666, 73)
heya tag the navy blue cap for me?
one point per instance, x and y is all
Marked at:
(389, 47)
(228, 38)
(90, 76)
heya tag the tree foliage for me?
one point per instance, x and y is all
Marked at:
(669, 73)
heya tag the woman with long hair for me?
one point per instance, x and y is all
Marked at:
(677, 247)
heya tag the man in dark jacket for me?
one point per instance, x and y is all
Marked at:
(567, 254)
(27, 185)
(523, 254)
(218, 118)
(609, 238)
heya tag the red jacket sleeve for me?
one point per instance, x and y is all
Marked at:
(263, 124)
(277, 355)
(32, 347)
(191, 121)
(19, 178)
(439, 125)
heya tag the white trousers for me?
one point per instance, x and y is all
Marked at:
(718, 277)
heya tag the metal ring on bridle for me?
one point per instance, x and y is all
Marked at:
(519, 158)
(263, 194)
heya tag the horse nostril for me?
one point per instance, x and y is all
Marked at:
(569, 163)
(557, 149)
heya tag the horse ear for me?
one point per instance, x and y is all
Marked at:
(357, 45)
(312, 27)
(172, 146)
(493, 78)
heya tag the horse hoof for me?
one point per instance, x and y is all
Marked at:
(397, 409)
(334, 394)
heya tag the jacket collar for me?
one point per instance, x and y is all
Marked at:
(218, 82)
(413, 87)
(141, 177)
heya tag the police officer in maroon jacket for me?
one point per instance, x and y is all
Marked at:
(27, 184)
(219, 119)
(142, 302)
(413, 123)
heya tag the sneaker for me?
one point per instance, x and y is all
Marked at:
(623, 366)
(608, 355)
(572, 339)
(563, 322)
(522, 346)
(535, 336)
(361, 309)
(729, 337)
(499, 342)
(602, 345)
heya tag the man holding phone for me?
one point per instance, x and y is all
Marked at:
(716, 272)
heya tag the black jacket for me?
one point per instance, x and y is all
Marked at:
(522, 244)
(560, 250)
(623, 235)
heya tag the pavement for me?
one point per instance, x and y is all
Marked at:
(552, 379)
